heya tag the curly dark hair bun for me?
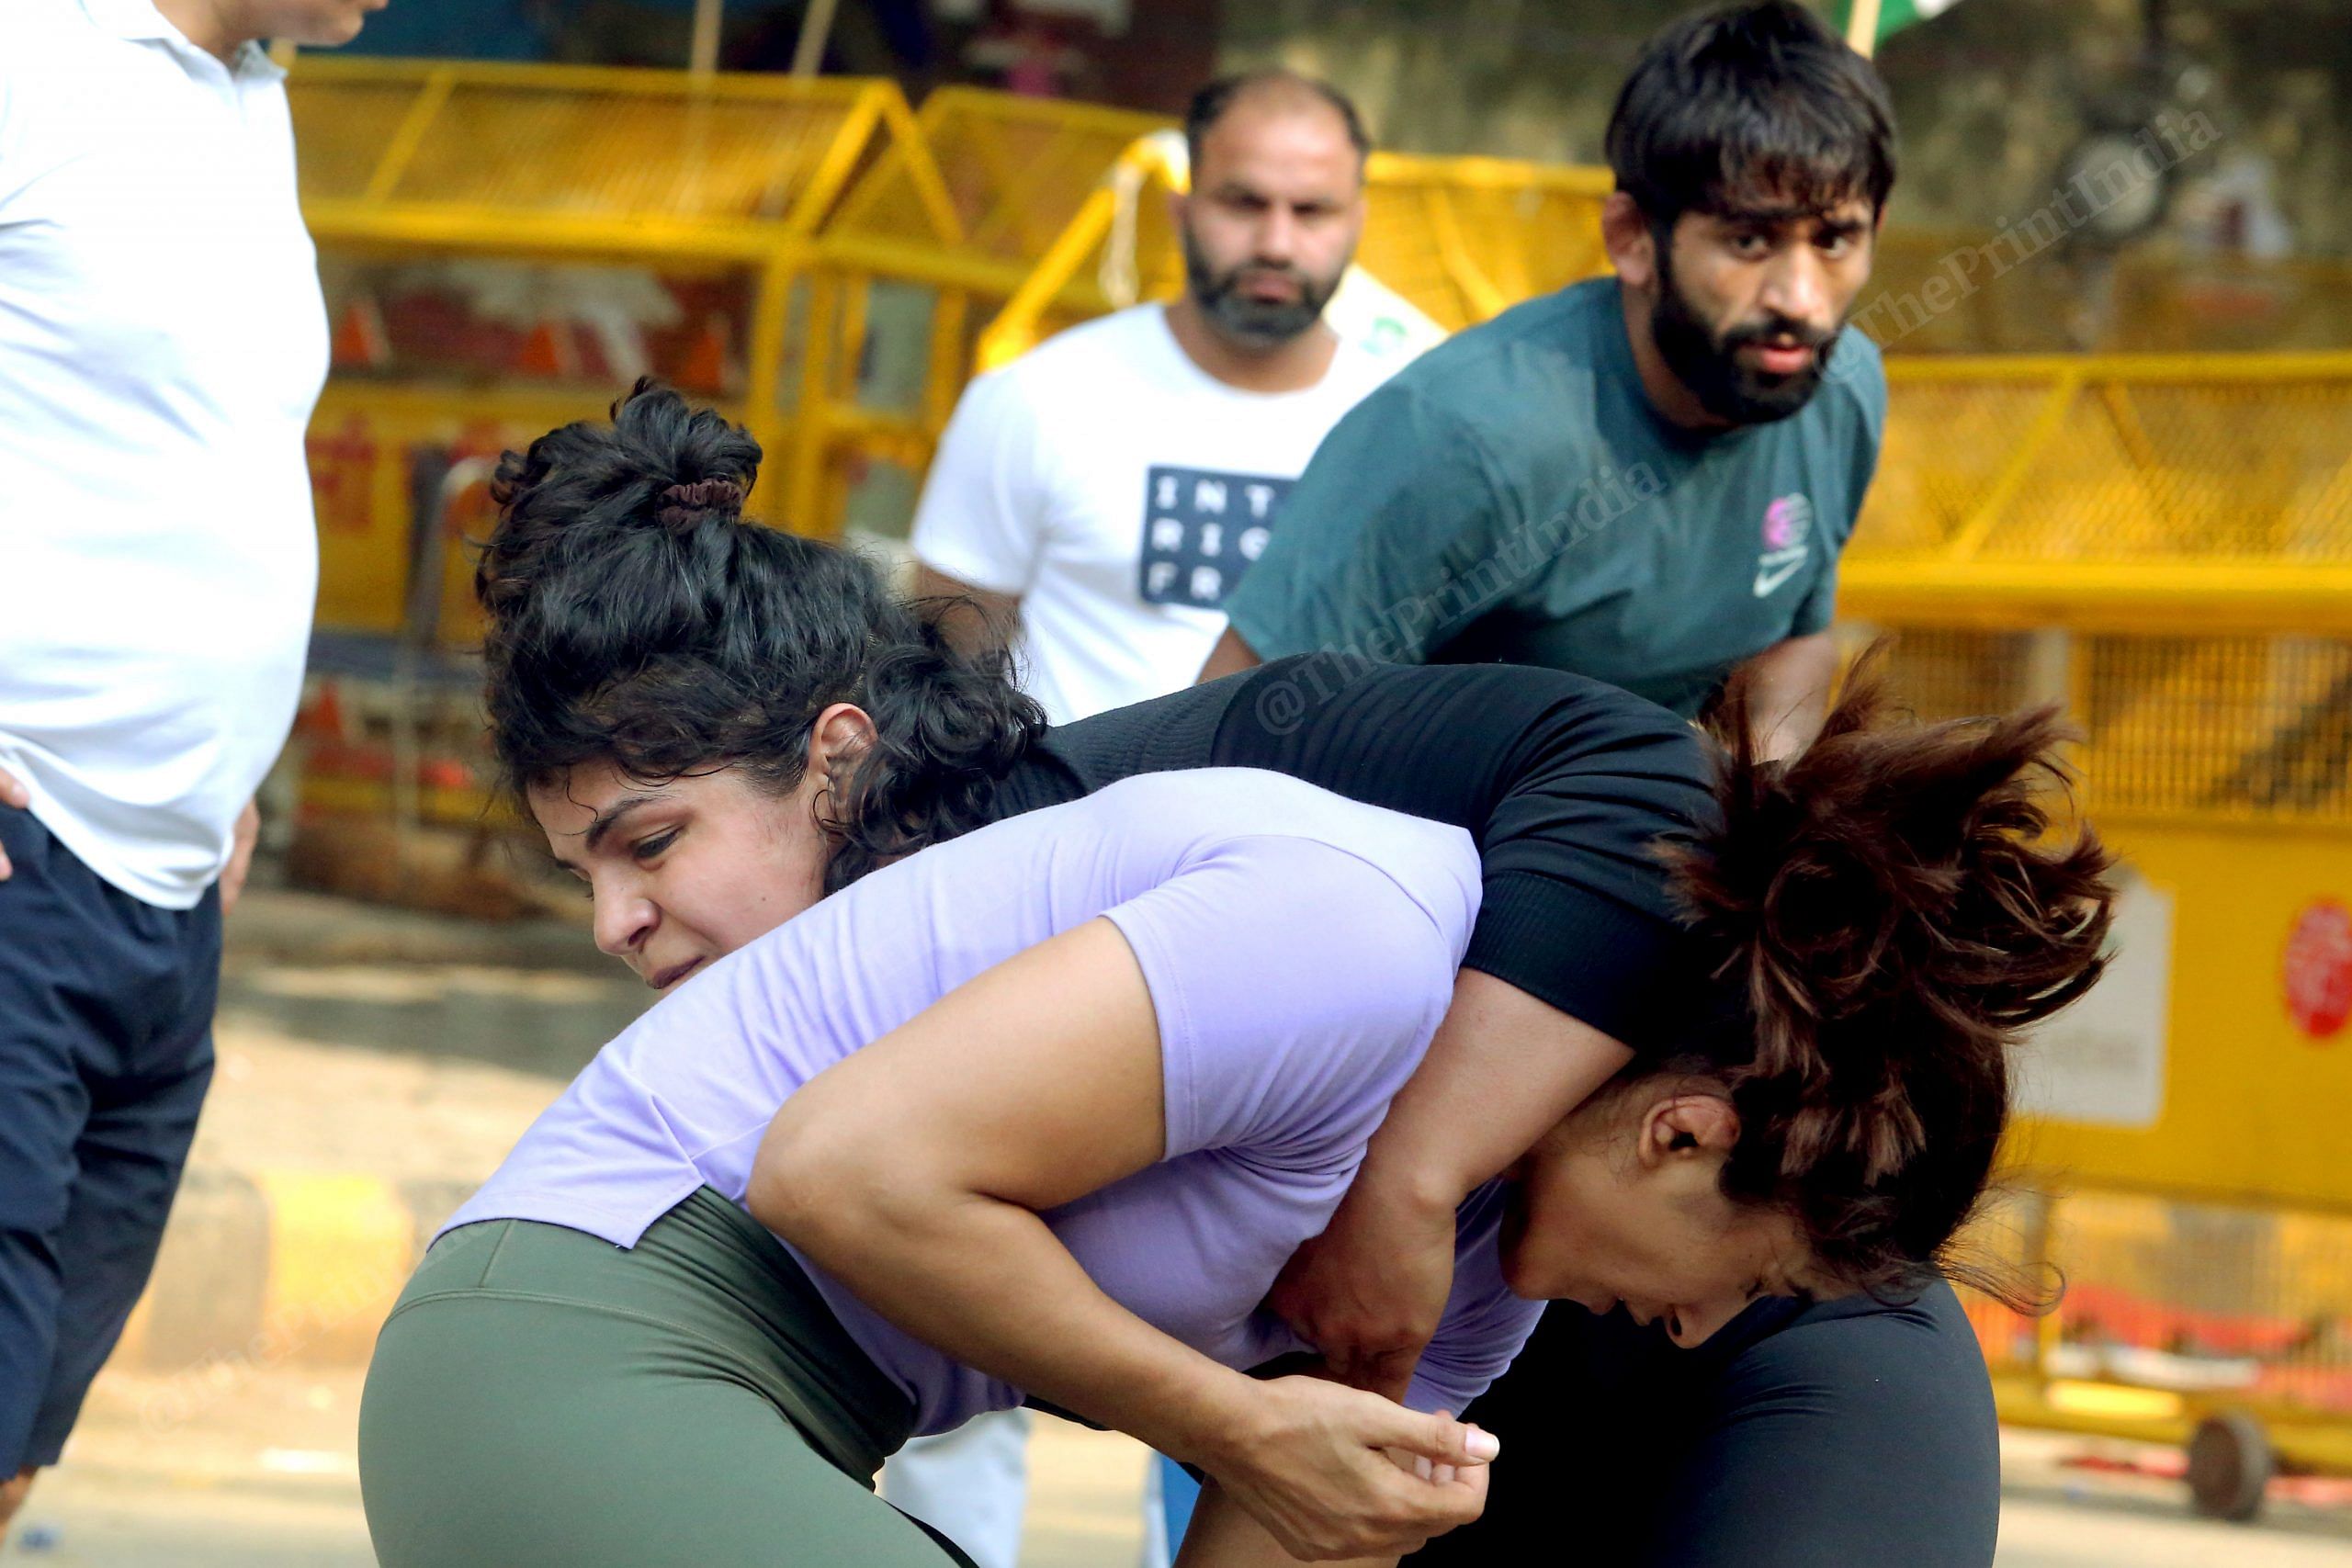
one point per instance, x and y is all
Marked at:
(636, 618)
(660, 464)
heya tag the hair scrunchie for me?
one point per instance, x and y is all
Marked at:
(688, 504)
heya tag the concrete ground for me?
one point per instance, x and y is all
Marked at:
(408, 1048)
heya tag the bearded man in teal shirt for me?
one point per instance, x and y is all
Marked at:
(1644, 478)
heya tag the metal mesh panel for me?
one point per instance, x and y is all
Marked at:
(1462, 241)
(1017, 169)
(2101, 461)
(1940, 675)
(343, 129)
(2231, 727)
(1937, 291)
(1946, 446)
(2165, 470)
(2225, 1306)
(607, 153)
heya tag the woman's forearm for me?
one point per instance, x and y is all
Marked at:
(987, 1282)
(1500, 1072)
(915, 1171)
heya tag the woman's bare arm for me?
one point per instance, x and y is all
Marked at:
(1502, 1069)
(913, 1171)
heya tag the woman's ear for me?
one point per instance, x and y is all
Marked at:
(1688, 1125)
(840, 735)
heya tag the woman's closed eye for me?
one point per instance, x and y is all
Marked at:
(652, 847)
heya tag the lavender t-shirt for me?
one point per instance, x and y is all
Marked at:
(1299, 949)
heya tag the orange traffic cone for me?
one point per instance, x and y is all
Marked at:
(547, 351)
(704, 366)
(359, 337)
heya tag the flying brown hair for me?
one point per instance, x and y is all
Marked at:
(1883, 915)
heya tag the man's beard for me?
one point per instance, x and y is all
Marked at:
(1711, 368)
(1260, 323)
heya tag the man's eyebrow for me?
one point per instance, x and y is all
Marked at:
(1771, 216)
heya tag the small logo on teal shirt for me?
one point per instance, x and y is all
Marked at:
(1788, 542)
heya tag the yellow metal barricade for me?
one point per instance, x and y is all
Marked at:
(939, 233)
(2163, 544)
(2023, 290)
(674, 218)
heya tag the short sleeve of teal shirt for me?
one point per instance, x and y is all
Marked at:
(1513, 496)
(1367, 571)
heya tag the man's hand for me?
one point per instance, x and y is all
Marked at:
(12, 794)
(1368, 1293)
(1788, 692)
(241, 856)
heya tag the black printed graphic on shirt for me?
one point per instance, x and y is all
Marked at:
(1201, 531)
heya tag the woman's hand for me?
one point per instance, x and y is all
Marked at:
(1332, 1473)
(1369, 1292)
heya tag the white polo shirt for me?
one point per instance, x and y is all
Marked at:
(1121, 491)
(162, 342)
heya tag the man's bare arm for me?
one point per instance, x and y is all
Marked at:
(1788, 692)
(1229, 657)
(975, 619)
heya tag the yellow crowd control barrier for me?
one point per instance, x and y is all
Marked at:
(505, 245)
(2123, 493)
(2164, 547)
(2021, 290)
(936, 232)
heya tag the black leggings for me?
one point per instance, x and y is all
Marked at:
(1845, 1433)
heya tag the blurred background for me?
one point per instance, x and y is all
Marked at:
(2114, 291)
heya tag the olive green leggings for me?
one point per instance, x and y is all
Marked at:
(541, 1397)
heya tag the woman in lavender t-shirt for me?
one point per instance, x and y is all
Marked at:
(1040, 1113)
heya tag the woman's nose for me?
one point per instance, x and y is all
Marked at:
(624, 919)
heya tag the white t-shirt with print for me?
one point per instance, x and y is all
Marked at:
(1120, 491)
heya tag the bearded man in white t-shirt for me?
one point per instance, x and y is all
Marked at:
(1098, 498)
(162, 342)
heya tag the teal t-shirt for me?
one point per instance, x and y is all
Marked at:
(1513, 495)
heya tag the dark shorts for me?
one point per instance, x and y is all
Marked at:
(106, 1048)
(1848, 1432)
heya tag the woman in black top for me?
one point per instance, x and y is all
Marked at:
(637, 623)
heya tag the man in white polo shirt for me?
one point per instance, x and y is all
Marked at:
(1105, 491)
(1098, 498)
(162, 342)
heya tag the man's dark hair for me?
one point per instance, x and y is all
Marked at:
(1210, 104)
(1755, 105)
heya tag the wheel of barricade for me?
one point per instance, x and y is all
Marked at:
(2230, 1466)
